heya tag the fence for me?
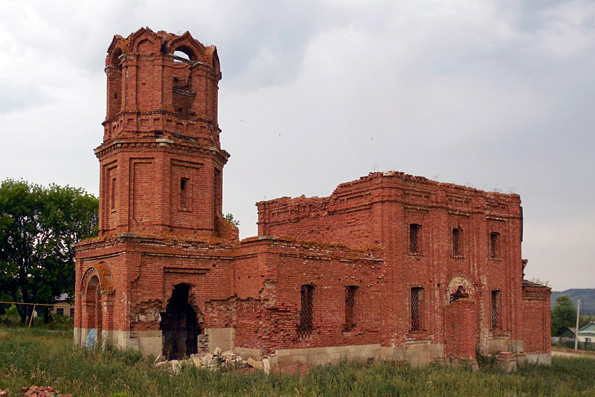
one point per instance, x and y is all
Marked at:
(32, 313)
(569, 343)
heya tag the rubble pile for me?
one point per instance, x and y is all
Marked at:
(34, 391)
(217, 360)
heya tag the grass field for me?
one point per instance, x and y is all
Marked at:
(47, 358)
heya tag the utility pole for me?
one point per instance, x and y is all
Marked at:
(578, 315)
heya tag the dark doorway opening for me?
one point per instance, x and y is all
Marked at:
(179, 325)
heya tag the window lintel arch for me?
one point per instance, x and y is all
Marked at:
(104, 276)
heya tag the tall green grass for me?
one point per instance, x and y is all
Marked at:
(47, 358)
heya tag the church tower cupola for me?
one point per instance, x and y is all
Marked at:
(161, 160)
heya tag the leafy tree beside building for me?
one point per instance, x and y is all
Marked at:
(563, 314)
(39, 227)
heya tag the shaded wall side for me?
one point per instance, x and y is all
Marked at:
(536, 320)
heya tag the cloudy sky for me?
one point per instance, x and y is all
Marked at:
(498, 95)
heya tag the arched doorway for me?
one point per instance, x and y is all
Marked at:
(92, 316)
(179, 325)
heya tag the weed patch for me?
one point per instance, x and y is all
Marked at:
(45, 357)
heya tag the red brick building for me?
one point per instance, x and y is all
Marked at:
(390, 266)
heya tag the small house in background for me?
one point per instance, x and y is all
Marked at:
(587, 333)
(63, 307)
(566, 334)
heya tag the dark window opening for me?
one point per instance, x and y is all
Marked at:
(416, 306)
(494, 245)
(306, 313)
(116, 58)
(457, 235)
(183, 193)
(350, 293)
(113, 195)
(60, 311)
(218, 193)
(496, 309)
(458, 294)
(72, 312)
(414, 238)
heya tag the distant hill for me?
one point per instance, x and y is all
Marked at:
(586, 295)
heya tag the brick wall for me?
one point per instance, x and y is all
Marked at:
(379, 210)
(389, 259)
(460, 330)
(536, 321)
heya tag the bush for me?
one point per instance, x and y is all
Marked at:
(11, 317)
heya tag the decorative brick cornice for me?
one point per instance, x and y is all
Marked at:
(160, 142)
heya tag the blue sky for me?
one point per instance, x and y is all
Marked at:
(497, 95)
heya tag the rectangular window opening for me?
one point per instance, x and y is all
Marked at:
(72, 312)
(350, 293)
(184, 193)
(456, 242)
(113, 195)
(416, 306)
(59, 311)
(218, 193)
(306, 312)
(496, 309)
(494, 245)
(414, 238)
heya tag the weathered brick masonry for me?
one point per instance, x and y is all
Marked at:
(390, 266)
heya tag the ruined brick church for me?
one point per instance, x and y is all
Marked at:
(388, 267)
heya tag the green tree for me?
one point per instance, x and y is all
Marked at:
(563, 314)
(39, 228)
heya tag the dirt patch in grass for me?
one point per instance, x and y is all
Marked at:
(565, 352)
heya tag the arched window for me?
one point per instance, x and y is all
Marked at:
(92, 314)
(183, 54)
(115, 58)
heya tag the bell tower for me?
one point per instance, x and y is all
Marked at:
(164, 249)
(161, 162)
